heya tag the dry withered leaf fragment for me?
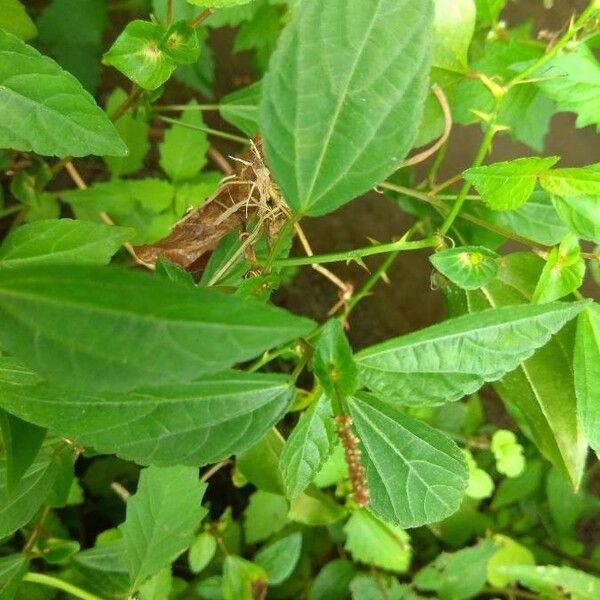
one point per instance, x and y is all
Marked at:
(248, 193)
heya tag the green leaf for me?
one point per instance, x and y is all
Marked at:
(307, 447)
(138, 53)
(540, 393)
(458, 575)
(469, 267)
(71, 31)
(56, 551)
(265, 515)
(508, 453)
(556, 583)
(371, 587)
(280, 558)
(488, 11)
(103, 568)
(181, 43)
(519, 488)
(161, 519)
(481, 485)
(158, 587)
(194, 424)
(61, 241)
(21, 443)
(144, 204)
(563, 272)
(104, 328)
(508, 553)
(68, 121)
(218, 3)
(134, 130)
(14, 19)
(183, 150)
(572, 80)
(447, 361)
(587, 373)
(581, 214)
(240, 108)
(508, 185)
(12, 569)
(243, 580)
(33, 489)
(333, 364)
(453, 29)
(537, 219)
(315, 508)
(415, 474)
(370, 64)
(573, 182)
(202, 552)
(333, 581)
(372, 542)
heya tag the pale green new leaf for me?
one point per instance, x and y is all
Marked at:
(14, 19)
(280, 558)
(240, 108)
(18, 508)
(587, 373)
(415, 474)
(572, 80)
(183, 150)
(108, 328)
(555, 583)
(539, 393)
(134, 130)
(455, 358)
(307, 447)
(453, 29)
(161, 519)
(12, 569)
(68, 121)
(508, 185)
(581, 214)
(508, 553)
(139, 55)
(376, 544)
(202, 552)
(192, 424)
(458, 575)
(370, 63)
(469, 267)
(61, 241)
(563, 272)
(573, 182)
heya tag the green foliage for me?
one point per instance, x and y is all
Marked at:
(306, 135)
(71, 122)
(340, 461)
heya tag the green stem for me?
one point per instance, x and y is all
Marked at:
(215, 132)
(37, 530)
(197, 21)
(180, 107)
(59, 584)
(484, 148)
(349, 255)
(129, 102)
(5, 212)
(562, 42)
(169, 15)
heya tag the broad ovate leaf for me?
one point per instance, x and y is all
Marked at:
(581, 214)
(104, 328)
(563, 272)
(469, 267)
(61, 241)
(539, 393)
(162, 517)
(240, 108)
(280, 558)
(587, 373)
(192, 424)
(370, 63)
(455, 358)
(308, 447)
(508, 185)
(67, 119)
(573, 182)
(415, 474)
(12, 569)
